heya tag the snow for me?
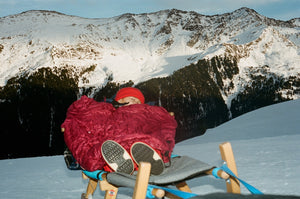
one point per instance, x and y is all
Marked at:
(265, 144)
(272, 51)
(266, 147)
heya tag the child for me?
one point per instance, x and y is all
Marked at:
(93, 129)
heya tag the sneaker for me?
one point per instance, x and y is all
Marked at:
(117, 157)
(142, 152)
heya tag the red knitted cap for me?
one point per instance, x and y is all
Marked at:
(130, 92)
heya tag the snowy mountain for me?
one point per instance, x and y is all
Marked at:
(140, 47)
(267, 158)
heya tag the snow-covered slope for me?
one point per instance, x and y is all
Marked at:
(265, 143)
(140, 47)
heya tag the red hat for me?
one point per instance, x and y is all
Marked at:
(130, 92)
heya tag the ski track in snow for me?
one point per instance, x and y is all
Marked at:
(265, 144)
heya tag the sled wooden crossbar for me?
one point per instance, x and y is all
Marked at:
(142, 178)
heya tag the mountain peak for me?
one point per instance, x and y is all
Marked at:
(247, 10)
(37, 13)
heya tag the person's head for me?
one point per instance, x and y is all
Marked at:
(130, 96)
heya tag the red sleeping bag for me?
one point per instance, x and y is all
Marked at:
(89, 123)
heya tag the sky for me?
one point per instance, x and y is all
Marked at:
(278, 9)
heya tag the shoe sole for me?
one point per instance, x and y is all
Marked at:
(117, 157)
(142, 152)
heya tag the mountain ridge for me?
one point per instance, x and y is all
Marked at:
(139, 47)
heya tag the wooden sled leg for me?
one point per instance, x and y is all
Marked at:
(92, 185)
(111, 191)
(141, 185)
(140, 189)
(233, 185)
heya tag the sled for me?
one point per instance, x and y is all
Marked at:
(182, 169)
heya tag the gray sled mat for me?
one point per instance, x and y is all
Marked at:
(182, 168)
